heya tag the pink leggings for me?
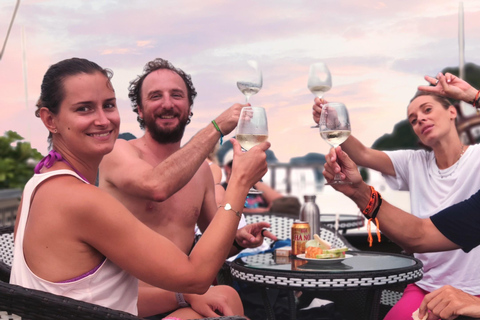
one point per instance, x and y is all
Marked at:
(411, 299)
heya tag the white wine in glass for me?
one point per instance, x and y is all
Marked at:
(252, 129)
(319, 80)
(335, 128)
(251, 80)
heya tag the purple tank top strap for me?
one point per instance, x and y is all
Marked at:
(47, 162)
(52, 157)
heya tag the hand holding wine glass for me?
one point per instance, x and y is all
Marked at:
(252, 129)
(251, 79)
(335, 127)
(319, 80)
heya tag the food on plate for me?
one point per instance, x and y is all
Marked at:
(321, 249)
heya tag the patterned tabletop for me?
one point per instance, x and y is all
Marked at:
(360, 269)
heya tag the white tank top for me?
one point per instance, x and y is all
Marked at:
(108, 286)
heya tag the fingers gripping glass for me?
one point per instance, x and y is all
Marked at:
(335, 128)
(252, 129)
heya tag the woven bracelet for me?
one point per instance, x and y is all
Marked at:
(218, 129)
(371, 203)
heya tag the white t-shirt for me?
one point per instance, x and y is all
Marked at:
(108, 286)
(431, 190)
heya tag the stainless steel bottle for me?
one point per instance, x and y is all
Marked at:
(310, 213)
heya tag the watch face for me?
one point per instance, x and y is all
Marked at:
(228, 206)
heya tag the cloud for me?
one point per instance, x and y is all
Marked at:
(377, 51)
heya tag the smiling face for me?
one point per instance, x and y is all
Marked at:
(165, 105)
(88, 120)
(430, 120)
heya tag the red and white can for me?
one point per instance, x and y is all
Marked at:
(300, 236)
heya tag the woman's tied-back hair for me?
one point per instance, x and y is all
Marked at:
(442, 100)
(52, 89)
(135, 88)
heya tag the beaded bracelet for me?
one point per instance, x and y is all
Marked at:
(218, 129)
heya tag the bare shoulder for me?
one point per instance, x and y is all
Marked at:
(123, 153)
(205, 173)
(122, 147)
(72, 195)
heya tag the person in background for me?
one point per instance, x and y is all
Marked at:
(454, 227)
(269, 200)
(436, 178)
(76, 240)
(168, 187)
(217, 173)
(212, 161)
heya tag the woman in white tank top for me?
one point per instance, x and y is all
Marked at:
(76, 240)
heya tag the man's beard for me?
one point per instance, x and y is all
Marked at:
(165, 136)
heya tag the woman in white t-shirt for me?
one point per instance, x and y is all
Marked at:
(436, 178)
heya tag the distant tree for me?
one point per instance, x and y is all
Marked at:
(472, 73)
(402, 137)
(17, 161)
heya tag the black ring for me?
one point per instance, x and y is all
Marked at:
(263, 230)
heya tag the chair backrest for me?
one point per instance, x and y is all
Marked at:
(6, 252)
(34, 304)
(280, 225)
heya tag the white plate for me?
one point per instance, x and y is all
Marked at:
(323, 261)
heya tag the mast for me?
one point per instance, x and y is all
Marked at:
(461, 42)
(9, 28)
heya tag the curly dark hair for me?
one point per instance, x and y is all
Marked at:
(135, 87)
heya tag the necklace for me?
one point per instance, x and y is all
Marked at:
(452, 171)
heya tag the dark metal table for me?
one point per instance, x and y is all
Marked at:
(364, 274)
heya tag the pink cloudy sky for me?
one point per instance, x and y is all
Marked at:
(377, 51)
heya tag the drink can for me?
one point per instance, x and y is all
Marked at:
(300, 236)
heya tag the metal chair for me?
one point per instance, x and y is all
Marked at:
(6, 252)
(34, 304)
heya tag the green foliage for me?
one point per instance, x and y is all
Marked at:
(472, 73)
(16, 161)
(402, 137)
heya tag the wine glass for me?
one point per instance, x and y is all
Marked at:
(319, 80)
(252, 129)
(335, 128)
(251, 80)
